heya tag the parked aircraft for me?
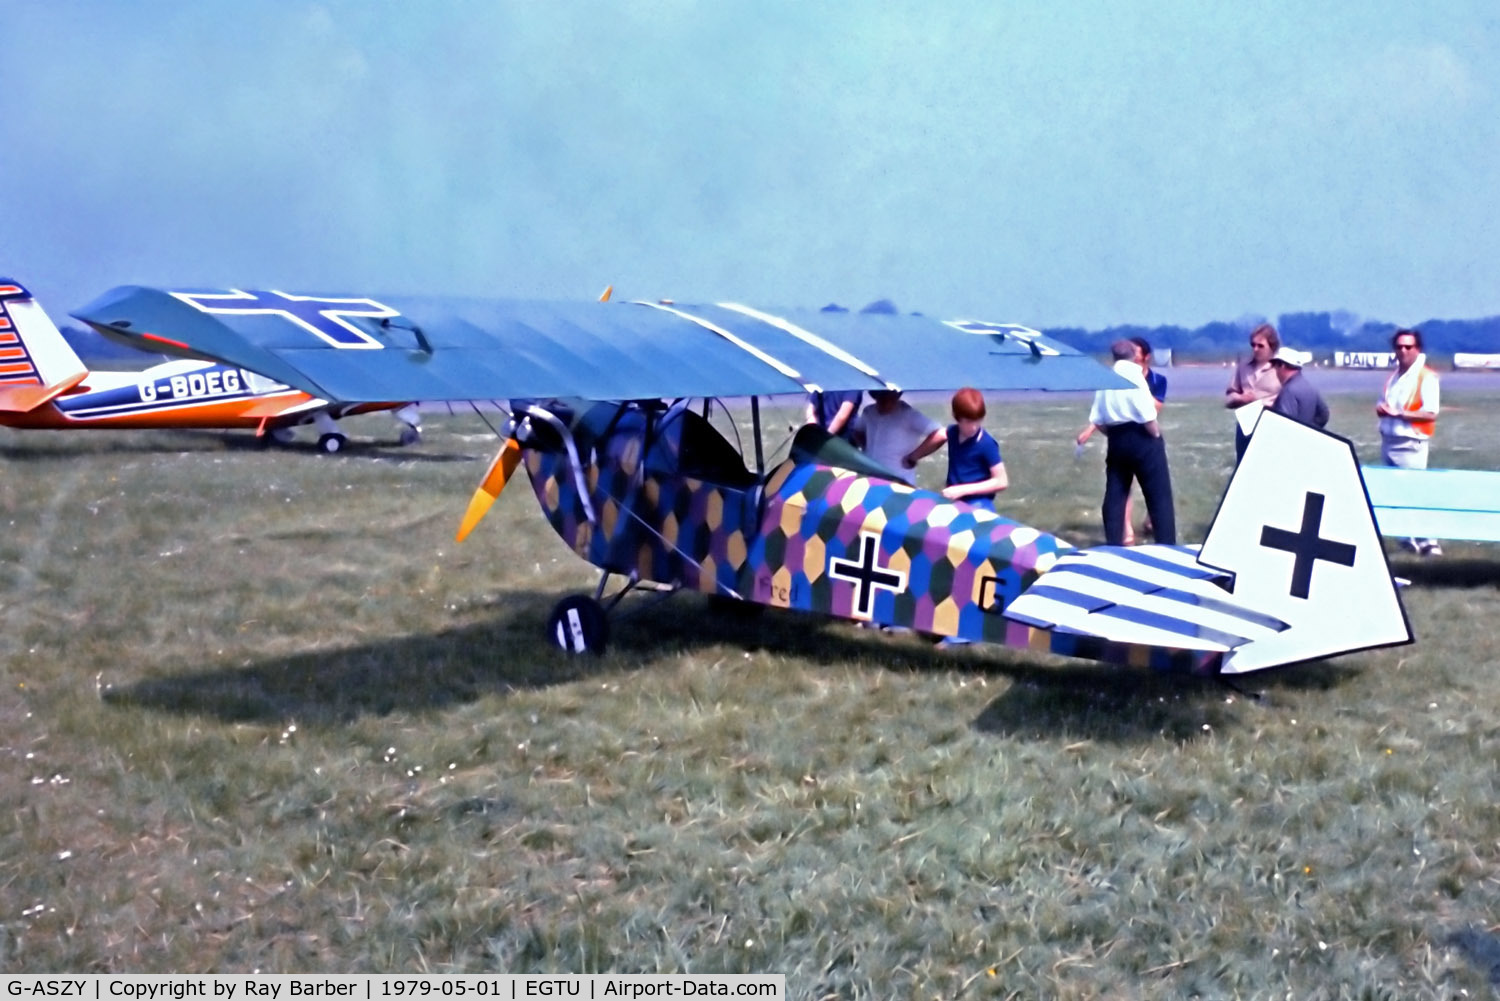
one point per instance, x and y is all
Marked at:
(44, 384)
(644, 487)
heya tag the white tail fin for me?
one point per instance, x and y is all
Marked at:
(1296, 530)
(32, 350)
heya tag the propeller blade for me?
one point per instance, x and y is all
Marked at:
(506, 461)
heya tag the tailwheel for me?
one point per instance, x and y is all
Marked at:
(578, 625)
(332, 443)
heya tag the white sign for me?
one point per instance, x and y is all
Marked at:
(1364, 359)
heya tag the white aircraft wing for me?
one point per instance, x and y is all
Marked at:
(1435, 503)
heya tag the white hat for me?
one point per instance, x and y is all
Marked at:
(1291, 356)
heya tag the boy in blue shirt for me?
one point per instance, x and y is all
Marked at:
(976, 472)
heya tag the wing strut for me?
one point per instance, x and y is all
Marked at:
(760, 458)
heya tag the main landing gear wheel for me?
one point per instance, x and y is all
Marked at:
(332, 443)
(410, 436)
(578, 625)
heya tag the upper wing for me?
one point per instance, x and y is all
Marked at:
(1435, 503)
(405, 348)
(1149, 595)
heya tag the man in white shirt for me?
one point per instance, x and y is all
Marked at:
(1136, 450)
(895, 434)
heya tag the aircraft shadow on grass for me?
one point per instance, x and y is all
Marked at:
(459, 666)
(1448, 571)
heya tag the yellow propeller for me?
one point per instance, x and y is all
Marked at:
(489, 489)
(609, 290)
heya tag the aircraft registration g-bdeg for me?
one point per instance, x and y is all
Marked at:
(45, 385)
(633, 475)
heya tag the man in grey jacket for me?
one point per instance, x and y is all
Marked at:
(1298, 399)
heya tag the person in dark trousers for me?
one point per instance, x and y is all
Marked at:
(1135, 452)
(1298, 399)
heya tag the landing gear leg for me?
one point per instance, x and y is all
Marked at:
(411, 424)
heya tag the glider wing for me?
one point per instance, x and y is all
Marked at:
(1435, 503)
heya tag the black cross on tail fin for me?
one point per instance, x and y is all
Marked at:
(1296, 530)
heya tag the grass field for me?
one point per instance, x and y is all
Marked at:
(264, 714)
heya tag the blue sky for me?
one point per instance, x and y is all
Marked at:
(1051, 162)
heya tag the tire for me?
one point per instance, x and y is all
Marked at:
(410, 436)
(578, 625)
(332, 443)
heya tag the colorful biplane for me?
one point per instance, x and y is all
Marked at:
(633, 475)
(44, 384)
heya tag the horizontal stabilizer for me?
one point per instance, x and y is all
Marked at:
(1150, 596)
(23, 399)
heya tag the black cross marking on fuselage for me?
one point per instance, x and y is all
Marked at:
(866, 575)
(1306, 546)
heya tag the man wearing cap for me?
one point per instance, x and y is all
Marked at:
(1298, 399)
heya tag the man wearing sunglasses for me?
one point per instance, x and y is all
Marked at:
(1254, 380)
(1408, 409)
